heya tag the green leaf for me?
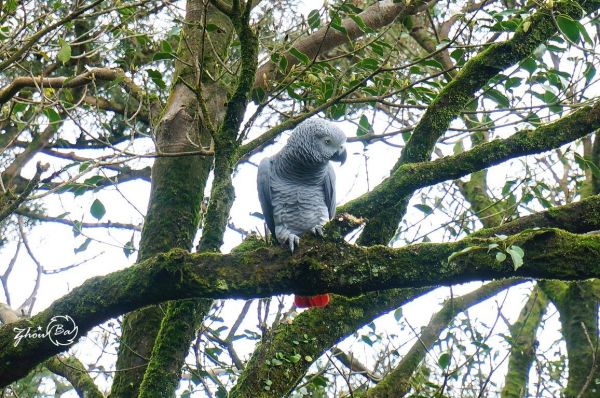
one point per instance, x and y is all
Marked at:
(398, 314)
(128, 249)
(500, 257)
(361, 24)
(258, 95)
(366, 340)
(368, 64)
(83, 246)
(458, 253)
(497, 97)
(221, 392)
(568, 27)
(314, 19)
(518, 250)
(166, 46)
(589, 73)
(52, 115)
(162, 55)
(64, 54)
(156, 77)
(458, 147)
(76, 228)
(308, 358)
(84, 166)
(584, 33)
(364, 127)
(336, 23)
(424, 208)
(444, 360)
(300, 55)
(295, 358)
(516, 255)
(97, 209)
(211, 27)
(10, 7)
(529, 64)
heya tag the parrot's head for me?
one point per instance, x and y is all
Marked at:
(317, 142)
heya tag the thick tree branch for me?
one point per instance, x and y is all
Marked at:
(318, 266)
(327, 326)
(457, 94)
(376, 16)
(410, 177)
(89, 76)
(74, 371)
(578, 217)
(524, 344)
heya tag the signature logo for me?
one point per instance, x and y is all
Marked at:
(61, 331)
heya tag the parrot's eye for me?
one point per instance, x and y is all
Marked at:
(327, 141)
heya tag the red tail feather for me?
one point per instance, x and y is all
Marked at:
(320, 300)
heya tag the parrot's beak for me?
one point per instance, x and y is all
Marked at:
(340, 156)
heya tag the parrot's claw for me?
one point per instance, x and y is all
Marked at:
(318, 231)
(293, 242)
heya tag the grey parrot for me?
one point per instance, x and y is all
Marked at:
(296, 186)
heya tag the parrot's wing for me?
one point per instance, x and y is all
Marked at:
(264, 192)
(329, 188)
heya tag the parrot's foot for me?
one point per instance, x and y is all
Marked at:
(318, 231)
(293, 242)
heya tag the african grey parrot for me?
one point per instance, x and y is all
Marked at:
(296, 187)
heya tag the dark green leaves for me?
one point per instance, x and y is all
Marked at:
(97, 209)
(300, 55)
(314, 19)
(572, 29)
(568, 27)
(364, 127)
(83, 246)
(497, 97)
(156, 77)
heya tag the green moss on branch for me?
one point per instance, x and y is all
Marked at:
(391, 196)
(326, 326)
(524, 343)
(317, 267)
(455, 96)
(75, 372)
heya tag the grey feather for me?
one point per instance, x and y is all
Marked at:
(264, 192)
(296, 186)
(329, 189)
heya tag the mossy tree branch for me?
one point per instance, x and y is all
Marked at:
(376, 16)
(524, 343)
(318, 266)
(412, 176)
(226, 142)
(457, 94)
(324, 327)
(176, 196)
(74, 371)
(578, 310)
